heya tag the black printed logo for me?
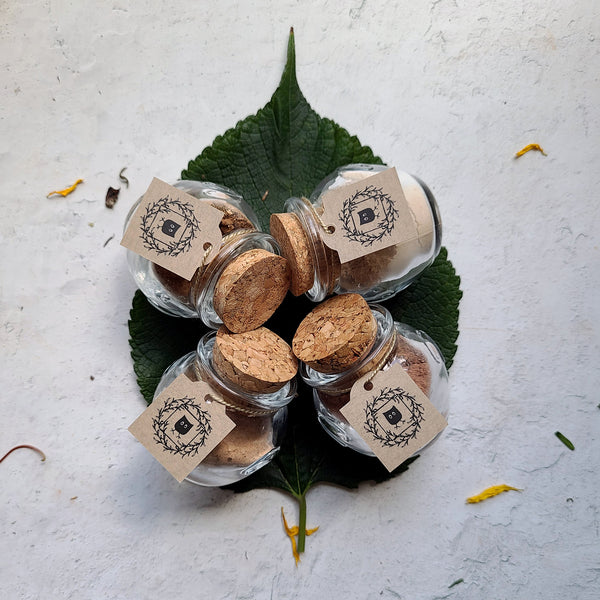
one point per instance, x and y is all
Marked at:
(169, 226)
(368, 215)
(181, 426)
(393, 417)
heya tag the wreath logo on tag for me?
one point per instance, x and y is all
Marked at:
(181, 426)
(169, 226)
(394, 417)
(368, 215)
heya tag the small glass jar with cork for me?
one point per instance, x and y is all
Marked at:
(240, 283)
(345, 339)
(253, 375)
(367, 216)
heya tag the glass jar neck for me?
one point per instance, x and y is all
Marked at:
(326, 276)
(341, 383)
(230, 393)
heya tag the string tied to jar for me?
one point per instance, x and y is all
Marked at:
(328, 229)
(247, 410)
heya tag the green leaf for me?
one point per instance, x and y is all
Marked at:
(287, 149)
(156, 341)
(565, 440)
(431, 304)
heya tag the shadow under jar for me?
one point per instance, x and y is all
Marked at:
(260, 418)
(316, 269)
(242, 285)
(393, 343)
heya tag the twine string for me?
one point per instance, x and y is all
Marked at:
(328, 229)
(251, 412)
(230, 236)
(380, 364)
(384, 358)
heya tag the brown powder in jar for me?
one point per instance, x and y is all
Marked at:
(359, 274)
(249, 440)
(367, 271)
(335, 334)
(412, 360)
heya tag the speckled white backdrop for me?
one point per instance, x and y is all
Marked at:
(448, 90)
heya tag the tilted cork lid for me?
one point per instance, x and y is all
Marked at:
(337, 333)
(250, 289)
(258, 360)
(295, 246)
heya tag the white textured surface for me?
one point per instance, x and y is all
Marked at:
(448, 90)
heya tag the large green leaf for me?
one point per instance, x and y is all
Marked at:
(287, 149)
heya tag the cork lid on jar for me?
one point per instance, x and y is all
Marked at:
(295, 246)
(250, 289)
(335, 334)
(258, 361)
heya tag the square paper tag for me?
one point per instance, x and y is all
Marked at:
(395, 418)
(174, 230)
(368, 216)
(182, 426)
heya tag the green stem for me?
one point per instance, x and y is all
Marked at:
(302, 523)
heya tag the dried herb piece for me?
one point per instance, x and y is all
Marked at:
(112, 195)
(24, 446)
(108, 240)
(566, 441)
(461, 580)
(491, 492)
(66, 191)
(123, 178)
(528, 148)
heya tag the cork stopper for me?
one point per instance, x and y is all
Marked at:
(258, 360)
(295, 246)
(335, 334)
(250, 289)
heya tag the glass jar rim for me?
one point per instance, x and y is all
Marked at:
(333, 381)
(264, 401)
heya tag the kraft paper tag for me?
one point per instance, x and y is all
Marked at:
(367, 216)
(182, 426)
(395, 418)
(174, 230)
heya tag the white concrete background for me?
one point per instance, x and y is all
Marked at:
(446, 89)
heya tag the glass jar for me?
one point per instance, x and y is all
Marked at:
(316, 269)
(394, 343)
(240, 232)
(259, 418)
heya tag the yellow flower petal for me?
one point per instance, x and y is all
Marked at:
(66, 191)
(528, 148)
(490, 492)
(292, 532)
